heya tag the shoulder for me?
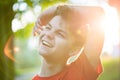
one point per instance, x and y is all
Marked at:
(83, 67)
(36, 77)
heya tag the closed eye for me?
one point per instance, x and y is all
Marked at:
(48, 27)
(60, 33)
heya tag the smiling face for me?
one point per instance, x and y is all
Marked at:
(55, 39)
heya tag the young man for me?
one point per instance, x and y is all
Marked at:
(65, 31)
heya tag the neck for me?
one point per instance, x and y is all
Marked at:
(51, 68)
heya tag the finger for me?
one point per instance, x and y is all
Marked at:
(38, 30)
(34, 31)
(38, 25)
(39, 22)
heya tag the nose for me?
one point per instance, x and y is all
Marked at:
(50, 35)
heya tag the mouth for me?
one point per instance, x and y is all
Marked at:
(46, 43)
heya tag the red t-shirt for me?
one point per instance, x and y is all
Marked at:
(80, 69)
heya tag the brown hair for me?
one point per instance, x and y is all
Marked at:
(76, 23)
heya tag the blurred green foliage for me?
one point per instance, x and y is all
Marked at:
(111, 69)
(24, 33)
(6, 16)
(26, 58)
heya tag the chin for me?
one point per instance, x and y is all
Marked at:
(44, 53)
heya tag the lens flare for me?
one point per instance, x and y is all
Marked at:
(111, 29)
(7, 50)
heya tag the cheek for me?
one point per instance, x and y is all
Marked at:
(63, 45)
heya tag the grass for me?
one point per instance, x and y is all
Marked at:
(111, 69)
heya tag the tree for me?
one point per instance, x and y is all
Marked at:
(6, 16)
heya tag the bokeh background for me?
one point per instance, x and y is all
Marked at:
(19, 58)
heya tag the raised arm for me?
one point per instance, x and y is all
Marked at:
(94, 45)
(95, 40)
(93, 16)
(44, 18)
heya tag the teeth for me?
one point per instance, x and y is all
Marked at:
(46, 43)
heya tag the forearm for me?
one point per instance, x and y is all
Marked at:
(43, 19)
(94, 45)
(47, 15)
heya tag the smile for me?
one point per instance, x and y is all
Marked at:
(47, 43)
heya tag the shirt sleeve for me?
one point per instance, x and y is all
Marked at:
(86, 68)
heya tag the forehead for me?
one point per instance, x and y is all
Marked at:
(59, 23)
